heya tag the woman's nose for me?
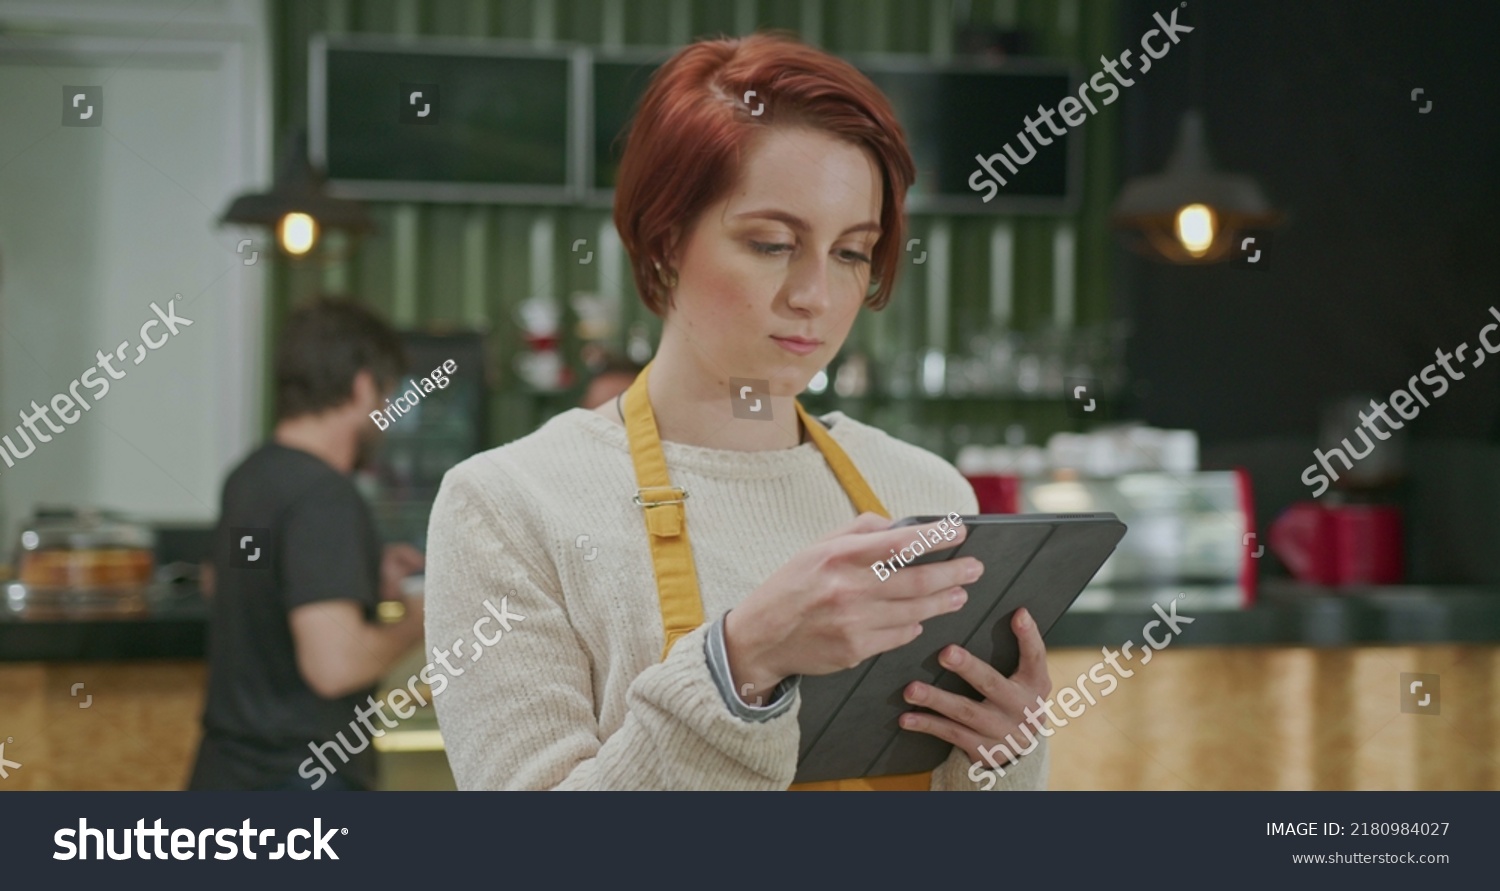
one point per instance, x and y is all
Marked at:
(808, 285)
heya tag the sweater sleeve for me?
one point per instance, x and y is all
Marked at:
(521, 714)
(1029, 773)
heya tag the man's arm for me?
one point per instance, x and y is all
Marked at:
(332, 581)
(339, 653)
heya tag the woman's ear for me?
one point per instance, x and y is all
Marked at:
(674, 248)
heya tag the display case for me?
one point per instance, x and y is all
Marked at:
(83, 562)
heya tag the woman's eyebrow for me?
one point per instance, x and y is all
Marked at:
(800, 224)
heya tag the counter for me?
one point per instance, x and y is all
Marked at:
(174, 627)
(1295, 614)
(1302, 691)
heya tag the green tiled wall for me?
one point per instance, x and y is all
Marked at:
(468, 266)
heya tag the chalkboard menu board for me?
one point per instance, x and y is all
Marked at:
(441, 121)
(616, 86)
(950, 113)
(953, 114)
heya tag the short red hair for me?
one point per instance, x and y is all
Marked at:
(691, 128)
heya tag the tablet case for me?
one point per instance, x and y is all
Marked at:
(1040, 561)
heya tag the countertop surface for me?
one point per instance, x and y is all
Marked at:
(1285, 614)
(1289, 613)
(174, 625)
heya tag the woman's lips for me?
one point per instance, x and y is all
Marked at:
(798, 345)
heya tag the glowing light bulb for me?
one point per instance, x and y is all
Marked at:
(297, 233)
(1196, 228)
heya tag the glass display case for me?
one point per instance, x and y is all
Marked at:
(1187, 532)
(79, 561)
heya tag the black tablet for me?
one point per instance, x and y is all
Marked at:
(1039, 561)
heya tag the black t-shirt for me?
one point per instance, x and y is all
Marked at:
(316, 541)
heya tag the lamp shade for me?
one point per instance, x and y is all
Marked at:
(1151, 204)
(299, 188)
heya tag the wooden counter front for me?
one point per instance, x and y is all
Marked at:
(139, 729)
(1252, 718)
(1244, 718)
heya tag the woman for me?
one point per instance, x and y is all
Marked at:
(761, 195)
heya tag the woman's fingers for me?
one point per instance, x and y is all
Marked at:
(885, 553)
(1028, 686)
(915, 610)
(864, 523)
(887, 639)
(919, 581)
(1032, 672)
(991, 684)
(944, 729)
(895, 538)
(969, 723)
(961, 709)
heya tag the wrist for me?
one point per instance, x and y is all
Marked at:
(747, 660)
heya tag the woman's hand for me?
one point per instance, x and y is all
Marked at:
(827, 610)
(971, 725)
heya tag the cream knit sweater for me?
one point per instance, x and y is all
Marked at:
(577, 695)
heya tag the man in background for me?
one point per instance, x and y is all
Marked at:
(294, 644)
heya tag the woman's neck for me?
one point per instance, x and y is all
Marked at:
(695, 405)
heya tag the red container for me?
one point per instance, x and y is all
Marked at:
(997, 494)
(1344, 545)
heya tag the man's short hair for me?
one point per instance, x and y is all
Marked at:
(323, 345)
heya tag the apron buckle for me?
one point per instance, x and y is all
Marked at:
(652, 502)
(662, 523)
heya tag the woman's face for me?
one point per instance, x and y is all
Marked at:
(771, 277)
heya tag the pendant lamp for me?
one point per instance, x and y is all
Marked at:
(1191, 213)
(298, 207)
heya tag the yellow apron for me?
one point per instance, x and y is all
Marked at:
(672, 554)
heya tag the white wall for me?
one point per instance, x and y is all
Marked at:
(97, 223)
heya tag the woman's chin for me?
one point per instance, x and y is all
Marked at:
(792, 382)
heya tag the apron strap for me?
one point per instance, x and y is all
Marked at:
(848, 475)
(666, 518)
(666, 515)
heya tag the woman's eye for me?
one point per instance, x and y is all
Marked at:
(853, 256)
(769, 248)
